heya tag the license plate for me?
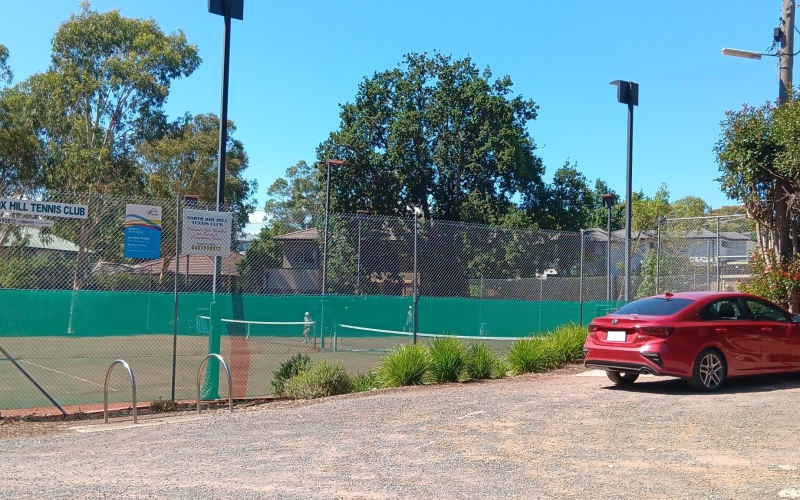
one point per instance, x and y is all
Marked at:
(615, 336)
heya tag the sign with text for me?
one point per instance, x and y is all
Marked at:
(26, 222)
(206, 233)
(142, 232)
(33, 207)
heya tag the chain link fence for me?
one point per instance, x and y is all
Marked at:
(699, 254)
(71, 301)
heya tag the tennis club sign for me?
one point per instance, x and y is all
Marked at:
(206, 233)
(33, 207)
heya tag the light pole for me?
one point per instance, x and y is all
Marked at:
(327, 214)
(228, 9)
(360, 214)
(325, 250)
(417, 212)
(608, 202)
(628, 93)
(784, 34)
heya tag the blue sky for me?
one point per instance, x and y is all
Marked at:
(292, 63)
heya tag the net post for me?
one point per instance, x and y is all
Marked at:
(211, 383)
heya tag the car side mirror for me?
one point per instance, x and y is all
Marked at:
(795, 318)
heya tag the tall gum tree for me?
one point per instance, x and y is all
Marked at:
(103, 95)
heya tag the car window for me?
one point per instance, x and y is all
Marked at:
(654, 306)
(763, 311)
(723, 310)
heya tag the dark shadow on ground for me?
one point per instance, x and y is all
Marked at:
(736, 385)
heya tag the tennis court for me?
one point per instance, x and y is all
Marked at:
(68, 345)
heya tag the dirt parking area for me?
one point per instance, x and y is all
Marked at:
(566, 434)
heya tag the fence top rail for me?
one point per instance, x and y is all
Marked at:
(732, 216)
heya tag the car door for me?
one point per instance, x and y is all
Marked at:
(727, 322)
(780, 338)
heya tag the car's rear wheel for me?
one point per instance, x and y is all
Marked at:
(622, 378)
(710, 371)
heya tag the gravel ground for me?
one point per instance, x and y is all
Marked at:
(557, 435)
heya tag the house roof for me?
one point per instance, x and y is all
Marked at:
(199, 265)
(246, 237)
(642, 235)
(41, 241)
(597, 234)
(731, 235)
(305, 234)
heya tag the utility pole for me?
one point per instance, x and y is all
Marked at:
(786, 34)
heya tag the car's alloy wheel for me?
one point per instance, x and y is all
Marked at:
(622, 378)
(710, 371)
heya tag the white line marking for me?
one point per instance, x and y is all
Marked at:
(471, 414)
(67, 374)
(424, 445)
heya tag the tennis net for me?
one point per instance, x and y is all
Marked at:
(362, 339)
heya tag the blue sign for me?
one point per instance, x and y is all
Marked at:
(142, 232)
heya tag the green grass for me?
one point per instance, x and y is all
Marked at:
(319, 379)
(448, 358)
(404, 365)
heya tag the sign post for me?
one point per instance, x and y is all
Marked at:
(209, 233)
(142, 232)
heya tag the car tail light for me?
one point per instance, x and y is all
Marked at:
(657, 331)
(593, 328)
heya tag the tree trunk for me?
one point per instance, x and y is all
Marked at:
(782, 222)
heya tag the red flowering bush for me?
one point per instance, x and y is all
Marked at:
(772, 280)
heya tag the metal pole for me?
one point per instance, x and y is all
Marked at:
(34, 382)
(628, 198)
(658, 253)
(325, 236)
(358, 262)
(416, 289)
(175, 312)
(580, 290)
(708, 266)
(786, 60)
(608, 260)
(223, 134)
(718, 276)
(541, 285)
(325, 257)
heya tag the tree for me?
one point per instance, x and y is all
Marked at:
(438, 133)
(263, 253)
(570, 202)
(101, 97)
(103, 94)
(754, 154)
(296, 201)
(6, 76)
(599, 216)
(184, 161)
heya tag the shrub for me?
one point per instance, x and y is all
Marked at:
(448, 358)
(773, 280)
(288, 369)
(570, 340)
(482, 363)
(365, 382)
(563, 345)
(529, 355)
(161, 405)
(405, 365)
(319, 379)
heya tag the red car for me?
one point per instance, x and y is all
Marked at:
(702, 337)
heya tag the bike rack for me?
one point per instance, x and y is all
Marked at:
(105, 389)
(227, 372)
